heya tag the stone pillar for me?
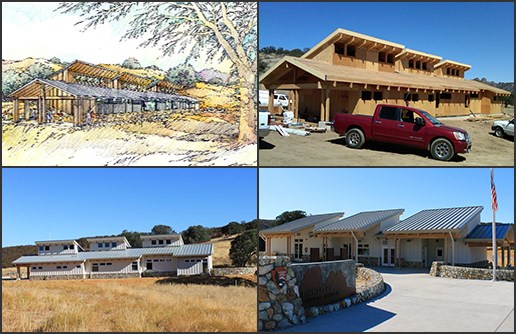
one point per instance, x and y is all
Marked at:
(279, 306)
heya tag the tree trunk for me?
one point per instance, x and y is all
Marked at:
(247, 127)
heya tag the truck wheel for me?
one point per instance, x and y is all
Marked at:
(442, 149)
(499, 132)
(355, 138)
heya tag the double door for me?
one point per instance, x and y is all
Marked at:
(388, 256)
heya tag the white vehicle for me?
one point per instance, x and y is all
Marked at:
(503, 128)
(279, 99)
(263, 123)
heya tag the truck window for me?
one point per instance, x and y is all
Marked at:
(391, 113)
(407, 116)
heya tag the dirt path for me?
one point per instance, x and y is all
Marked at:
(327, 149)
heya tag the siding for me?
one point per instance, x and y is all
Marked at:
(117, 266)
(160, 264)
(51, 269)
(148, 243)
(192, 266)
(413, 250)
(119, 246)
(57, 249)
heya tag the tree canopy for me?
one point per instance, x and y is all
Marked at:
(162, 229)
(243, 248)
(195, 234)
(289, 216)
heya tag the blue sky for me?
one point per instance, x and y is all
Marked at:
(80, 202)
(480, 34)
(352, 190)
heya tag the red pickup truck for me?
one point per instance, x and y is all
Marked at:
(405, 126)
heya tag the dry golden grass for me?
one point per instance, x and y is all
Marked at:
(213, 96)
(122, 305)
(221, 248)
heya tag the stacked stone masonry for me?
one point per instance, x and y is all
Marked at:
(439, 269)
(234, 271)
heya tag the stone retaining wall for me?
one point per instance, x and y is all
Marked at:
(369, 261)
(55, 277)
(114, 275)
(439, 269)
(278, 307)
(158, 274)
(234, 271)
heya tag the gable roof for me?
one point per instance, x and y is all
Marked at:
(132, 253)
(360, 221)
(484, 232)
(348, 74)
(59, 242)
(306, 222)
(104, 239)
(436, 220)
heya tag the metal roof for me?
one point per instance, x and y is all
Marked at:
(80, 90)
(433, 220)
(484, 232)
(150, 236)
(360, 221)
(300, 224)
(66, 241)
(133, 253)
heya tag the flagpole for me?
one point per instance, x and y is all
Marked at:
(493, 225)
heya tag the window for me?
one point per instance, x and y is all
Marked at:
(363, 249)
(99, 245)
(390, 58)
(411, 63)
(162, 260)
(439, 252)
(445, 96)
(40, 248)
(423, 66)
(78, 266)
(415, 97)
(65, 267)
(378, 96)
(418, 64)
(113, 244)
(109, 264)
(65, 247)
(155, 260)
(169, 241)
(47, 248)
(58, 267)
(381, 57)
(474, 95)
(106, 244)
(160, 242)
(407, 116)
(187, 261)
(95, 267)
(351, 51)
(298, 248)
(153, 242)
(34, 268)
(366, 95)
(169, 260)
(466, 100)
(389, 113)
(149, 265)
(431, 97)
(448, 71)
(71, 247)
(134, 265)
(40, 267)
(339, 48)
(406, 97)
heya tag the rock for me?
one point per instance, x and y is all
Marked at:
(260, 325)
(270, 325)
(262, 280)
(288, 307)
(270, 312)
(284, 323)
(281, 298)
(277, 317)
(313, 311)
(262, 270)
(296, 291)
(263, 306)
(263, 294)
(262, 315)
(348, 302)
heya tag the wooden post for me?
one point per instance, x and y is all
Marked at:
(28, 272)
(328, 94)
(18, 274)
(16, 110)
(75, 112)
(26, 109)
(445, 255)
(323, 101)
(289, 240)
(503, 255)
(290, 93)
(296, 104)
(43, 103)
(509, 254)
(268, 246)
(271, 101)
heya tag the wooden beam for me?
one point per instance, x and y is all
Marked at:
(16, 110)
(327, 107)
(322, 104)
(271, 101)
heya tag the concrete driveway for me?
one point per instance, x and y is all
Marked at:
(416, 302)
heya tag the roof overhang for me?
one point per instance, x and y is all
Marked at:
(453, 64)
(360, 40)
(418, 55)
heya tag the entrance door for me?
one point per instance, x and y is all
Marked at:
(298, 248)
(330, 254)
(388, 256)
(314, 255)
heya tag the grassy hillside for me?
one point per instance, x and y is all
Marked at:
(122, 305)
(22, 65)
(9, 254)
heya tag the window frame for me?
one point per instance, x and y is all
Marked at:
(365, 93)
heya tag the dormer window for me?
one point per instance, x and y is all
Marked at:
(65, 247)
(99, 245)
(169, 241)
(424, 66)
(339, 48)
(40, 248)
(448, 71)
(72, 247)
(47, 248)
(153, 242)
(418, 64)
(106, 244)
(160, 242)
(411, 63)
(381, 57)
(113, 244)
(390, 58)
(351, 51)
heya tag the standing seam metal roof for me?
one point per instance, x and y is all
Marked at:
(302, 223)
(182, 251)
(360, 221)
(484, 231)
(437, 220)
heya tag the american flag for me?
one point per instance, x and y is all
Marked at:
(494, 202)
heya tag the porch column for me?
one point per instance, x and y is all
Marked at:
(296, 104)
(395, 252)
(323, 102)
(28, 272)
(43, 103)
(268, 246)
(26, 110)
(445, 255)
(271, 101)
(16, 110)
(40, 110)
(327, 107)
(290, 98)
(289, 241)
(75, 112)
(453, 249)
(509, 254)
(18, 274)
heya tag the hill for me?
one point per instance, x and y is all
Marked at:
(9, 254)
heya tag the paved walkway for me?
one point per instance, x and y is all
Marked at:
(414, 301)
